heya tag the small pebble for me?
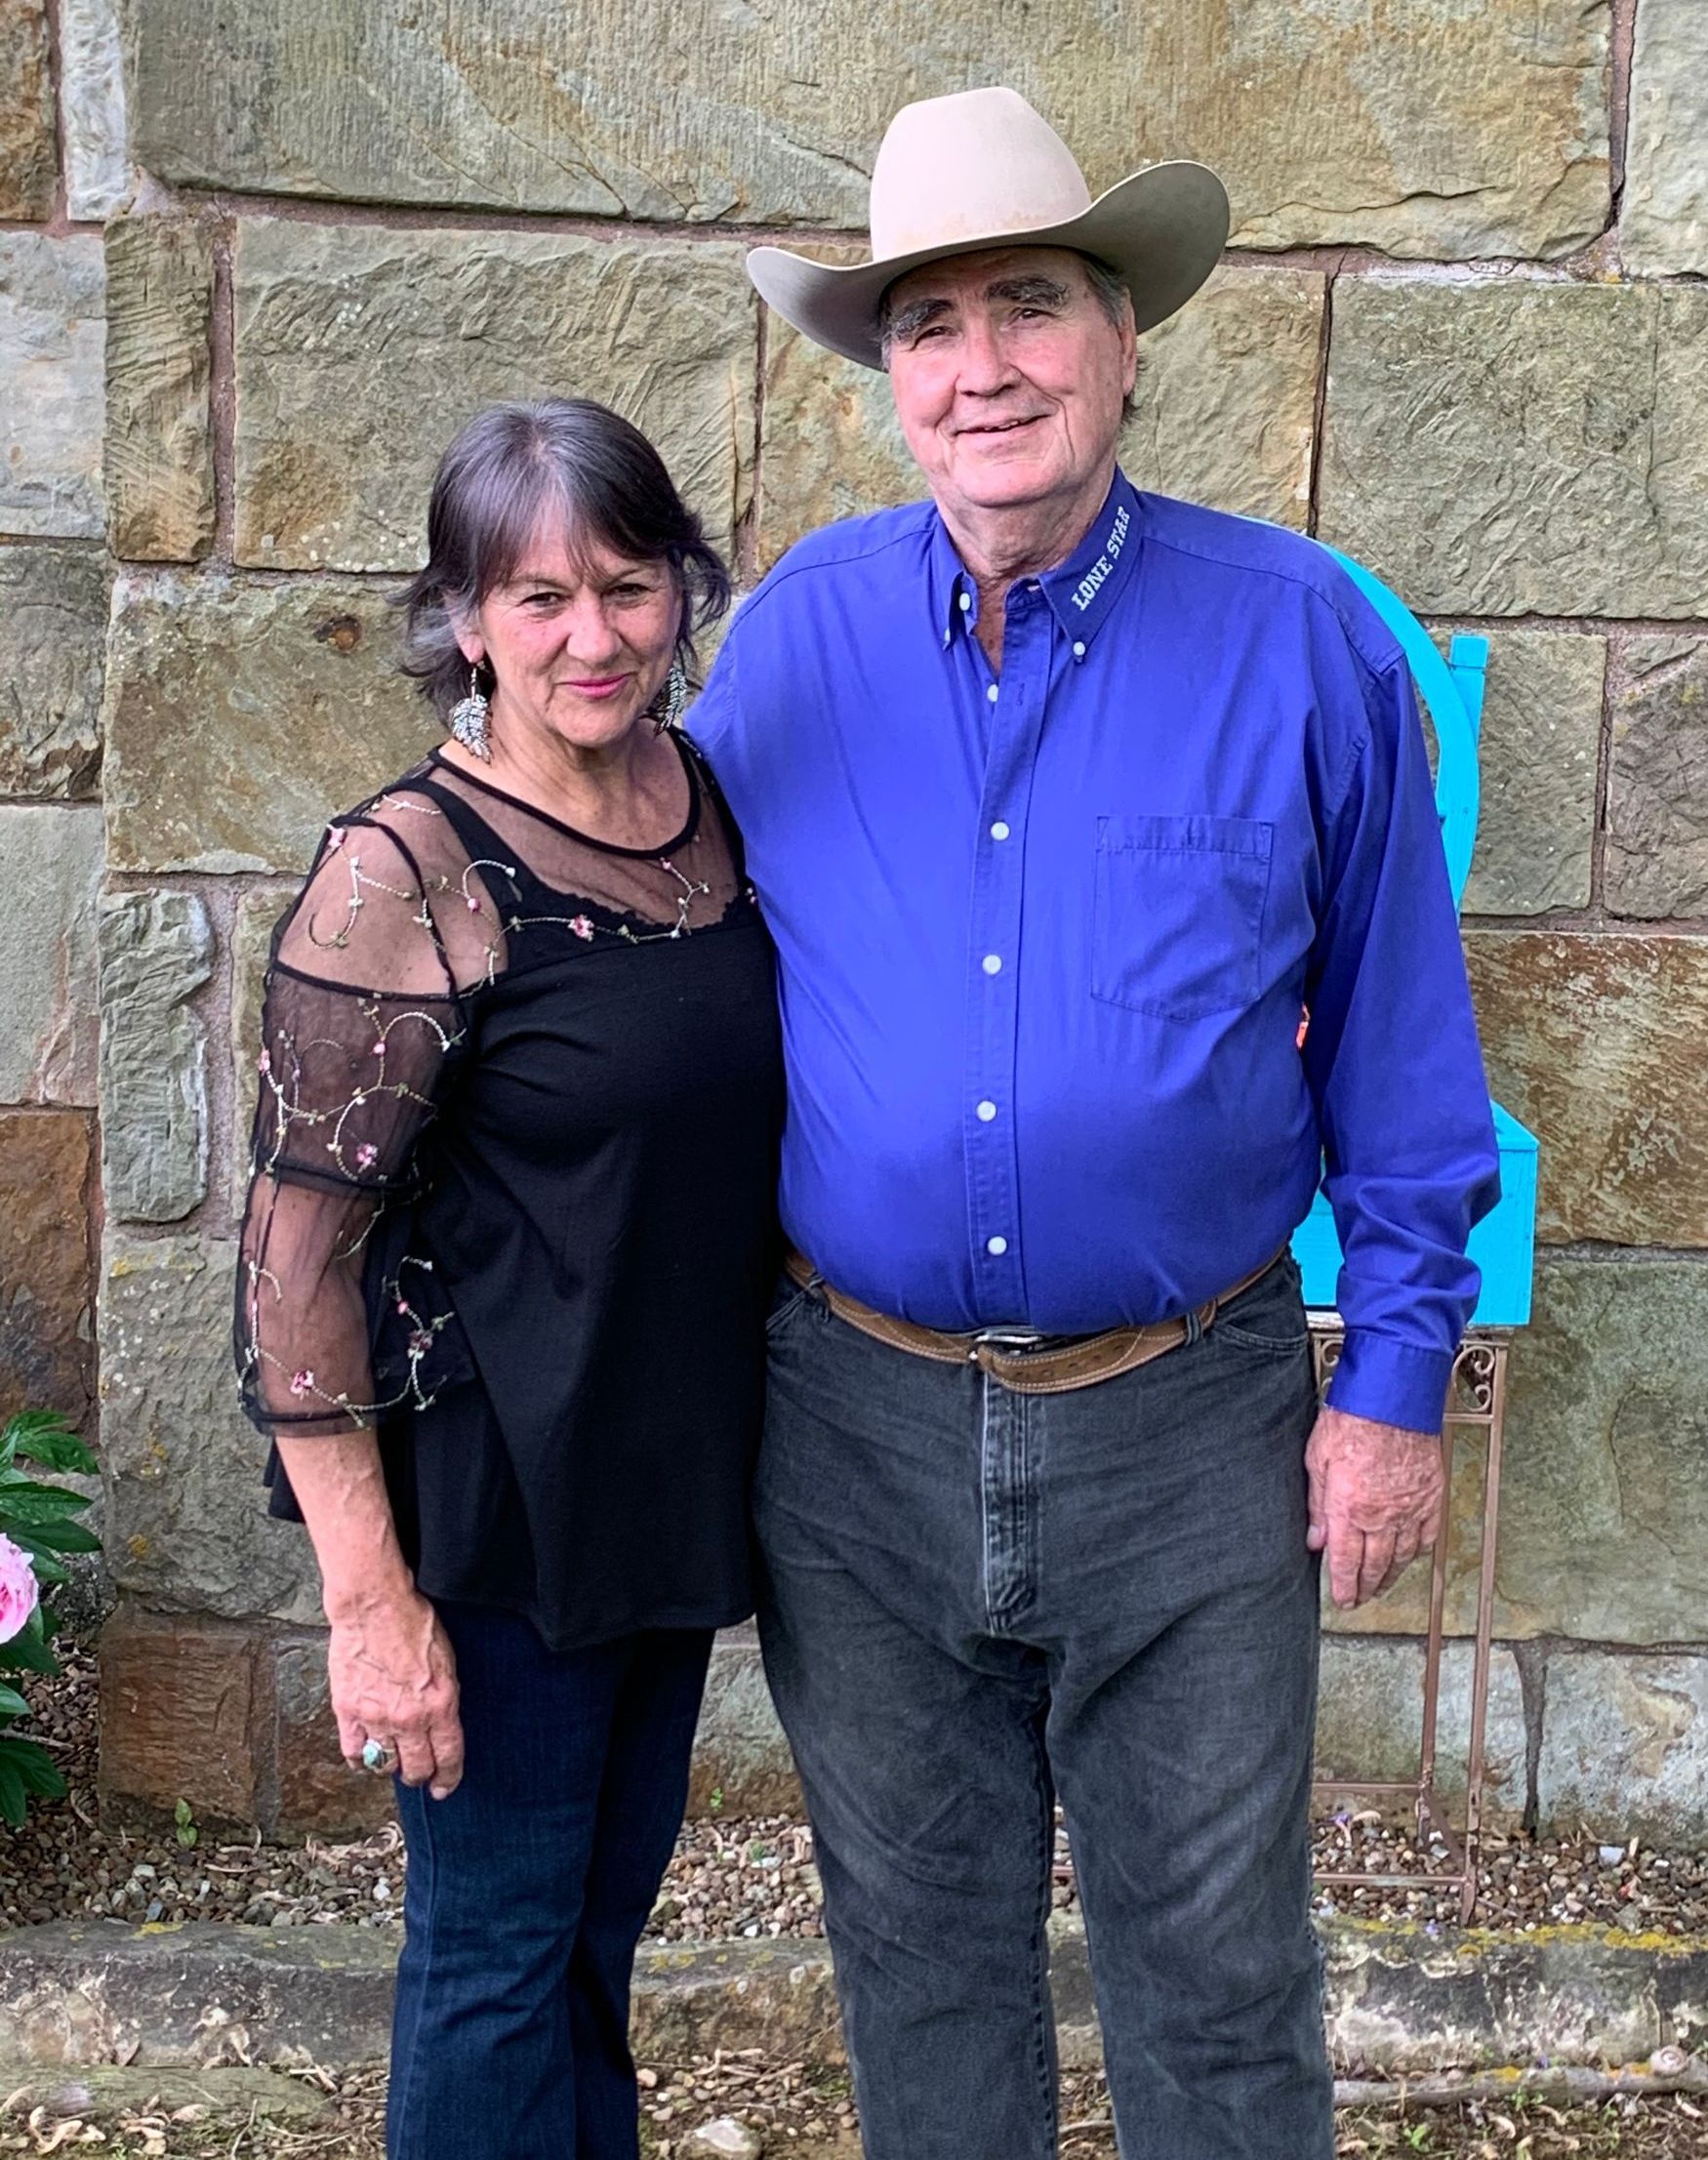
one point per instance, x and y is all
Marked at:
(726, 2137)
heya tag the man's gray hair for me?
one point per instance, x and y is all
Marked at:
(1107, 289)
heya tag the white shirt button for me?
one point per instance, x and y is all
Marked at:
(999, 831)
(987, 1111)
(1078, 651)
(992, 963)
(995, 1247)
(966, 603)
(992, 693)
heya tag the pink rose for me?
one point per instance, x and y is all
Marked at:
(20, 1591)
(582, 928)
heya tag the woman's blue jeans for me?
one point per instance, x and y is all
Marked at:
(976, 1599)
(529, 1889)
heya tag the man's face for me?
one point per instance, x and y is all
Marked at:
(1009, 376)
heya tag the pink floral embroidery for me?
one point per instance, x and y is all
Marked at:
(264, 1063)
(335, 839)
(582, 928)
(301, 1382)
(419, 1343)
(366, 1155)
(378, 1049)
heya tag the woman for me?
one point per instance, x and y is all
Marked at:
(506, 1264)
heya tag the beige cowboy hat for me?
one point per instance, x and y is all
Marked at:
(957, 174)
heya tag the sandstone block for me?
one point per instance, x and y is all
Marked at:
(47, 1295)
(1369, 1719)
(92, 108)
(233, 1719)
(26, 111)
(239, 715)
(1541, 732)
(336, 456)
(1226, 399)
(1604, 1494)
(50, 867)
(159, 439)
(50, 361)
(1330, 126)
(186, 1522)
(53, 635)
(1503, 447)
(181, 1719)
(1604, 1522)
(1664, 224)
(156, 952)
(1656, 861)
(742, 1764)
(1596, 1045)
(1625, 1746)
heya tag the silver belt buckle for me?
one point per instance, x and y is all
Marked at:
(1008, 1338)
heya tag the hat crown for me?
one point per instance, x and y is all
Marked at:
(978, 163)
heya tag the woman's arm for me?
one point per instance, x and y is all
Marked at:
(357, 1022)
(392, 1674)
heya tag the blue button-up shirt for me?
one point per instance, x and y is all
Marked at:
(1046, 936)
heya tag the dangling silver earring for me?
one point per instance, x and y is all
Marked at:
(469, 719)
(666, 710)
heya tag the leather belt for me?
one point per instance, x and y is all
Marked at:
(1004, 1352)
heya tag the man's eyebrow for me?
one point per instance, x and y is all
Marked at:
(1032, 291)
(907, 322)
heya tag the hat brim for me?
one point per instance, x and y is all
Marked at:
(1161, 231)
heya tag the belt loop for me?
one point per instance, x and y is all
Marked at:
(1194, 1329)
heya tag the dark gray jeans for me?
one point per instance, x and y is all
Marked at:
(974, 1600)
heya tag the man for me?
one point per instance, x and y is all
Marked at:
(1066, 804)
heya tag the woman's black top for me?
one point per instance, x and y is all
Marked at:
(513, 1198)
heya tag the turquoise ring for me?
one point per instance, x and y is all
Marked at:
(377, 1756)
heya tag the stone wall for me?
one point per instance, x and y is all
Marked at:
(250, 285)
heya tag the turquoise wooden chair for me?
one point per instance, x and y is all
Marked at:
(1503, 1244)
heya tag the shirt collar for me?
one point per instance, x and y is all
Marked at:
(1084, 590)
(1081, 592)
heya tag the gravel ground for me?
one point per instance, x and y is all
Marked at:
(748, 1877)
(785, 2114)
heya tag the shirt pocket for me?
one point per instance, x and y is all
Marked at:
(1177, 913)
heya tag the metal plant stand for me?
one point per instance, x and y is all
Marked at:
(1476, 1403)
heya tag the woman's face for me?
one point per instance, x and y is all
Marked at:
(579, 644)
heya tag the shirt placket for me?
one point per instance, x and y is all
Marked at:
(1014, 720)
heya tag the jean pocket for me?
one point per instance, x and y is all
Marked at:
(786, 1300)
(1269, 1317)
(1178, 918)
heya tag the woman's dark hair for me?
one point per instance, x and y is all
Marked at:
(508, 467)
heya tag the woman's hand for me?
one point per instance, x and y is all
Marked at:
(394, 1678)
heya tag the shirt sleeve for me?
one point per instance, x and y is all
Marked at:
(360, 1012)
(1396, 1072)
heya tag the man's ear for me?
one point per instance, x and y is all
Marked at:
(1129, 347)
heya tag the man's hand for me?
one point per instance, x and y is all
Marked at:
(1375, 1501)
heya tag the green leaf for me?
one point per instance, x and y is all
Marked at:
(12, 1703)
(12, 1801)
(25, 1500)
(44, 1437)
(35, 1765)
(28, 1650)
(57, 1537)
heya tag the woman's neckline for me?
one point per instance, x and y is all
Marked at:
(592, 839)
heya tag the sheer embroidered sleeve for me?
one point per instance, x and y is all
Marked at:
(361, 1014)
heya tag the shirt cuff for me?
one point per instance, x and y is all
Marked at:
(1394, 1383)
